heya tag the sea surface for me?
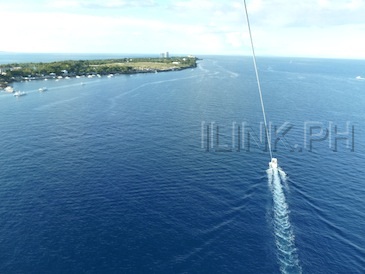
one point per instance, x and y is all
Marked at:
(166, 172)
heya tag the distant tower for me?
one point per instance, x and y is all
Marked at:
(165, 55)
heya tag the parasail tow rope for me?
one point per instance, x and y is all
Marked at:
(258, 81)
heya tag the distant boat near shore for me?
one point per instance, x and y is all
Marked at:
(19, 93)
(9, 89)
(43, 89)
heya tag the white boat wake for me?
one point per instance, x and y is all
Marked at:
(284, 236)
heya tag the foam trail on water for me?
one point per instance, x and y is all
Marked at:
(283, 177)
(284, 236)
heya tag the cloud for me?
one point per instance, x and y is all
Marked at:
(107, 4)
(215, 16)
(93, 33)
(234, 39)
(121, 25)
(306, 28)
(254, 6)
(322, 13)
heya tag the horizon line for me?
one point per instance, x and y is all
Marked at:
(187, 54)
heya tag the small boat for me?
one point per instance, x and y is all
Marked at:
(42, 89)
(19, 93)
(273, 163)
(9, 89)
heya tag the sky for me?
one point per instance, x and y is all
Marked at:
(307, 28)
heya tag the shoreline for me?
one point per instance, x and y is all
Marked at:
(48, 77)
(13, 73)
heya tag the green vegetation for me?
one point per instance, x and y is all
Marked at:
(18, 72)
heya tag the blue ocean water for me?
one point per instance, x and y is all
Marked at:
(152, 173)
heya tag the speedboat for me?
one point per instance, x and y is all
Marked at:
(42, 89)
(9, 89)
(19, 93)
(273, 163)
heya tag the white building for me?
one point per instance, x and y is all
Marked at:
(3, 70)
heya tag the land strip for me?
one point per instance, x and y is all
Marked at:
(17, 72)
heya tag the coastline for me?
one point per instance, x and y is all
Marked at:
(10, 73)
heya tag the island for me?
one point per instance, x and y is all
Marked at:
(75, 68)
